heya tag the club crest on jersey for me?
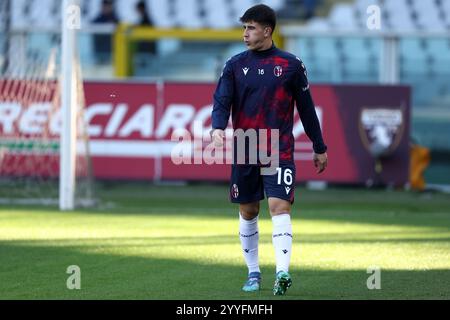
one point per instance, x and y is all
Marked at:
(234, 191)
(278, 71)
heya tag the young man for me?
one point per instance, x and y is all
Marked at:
(260, 87)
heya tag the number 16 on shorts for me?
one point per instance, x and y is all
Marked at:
(285, 178)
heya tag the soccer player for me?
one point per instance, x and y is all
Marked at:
(260, 87)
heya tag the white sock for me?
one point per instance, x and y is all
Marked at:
(249, 235)
(282, 240)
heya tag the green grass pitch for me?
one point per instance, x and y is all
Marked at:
(181, 242)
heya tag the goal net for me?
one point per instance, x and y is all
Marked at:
(30, 121)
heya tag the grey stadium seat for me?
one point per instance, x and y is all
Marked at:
(161, 15)
(343, 17)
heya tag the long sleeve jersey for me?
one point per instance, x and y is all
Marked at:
(260, 89)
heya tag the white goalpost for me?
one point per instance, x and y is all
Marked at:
(74, 147)
(70, 23)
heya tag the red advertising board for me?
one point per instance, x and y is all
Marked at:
(131, 126)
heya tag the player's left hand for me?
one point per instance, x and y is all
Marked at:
(217, 136)
(320, 161)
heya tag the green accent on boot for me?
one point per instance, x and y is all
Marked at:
(282, 282)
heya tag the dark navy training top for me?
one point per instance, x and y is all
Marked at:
(260, 89)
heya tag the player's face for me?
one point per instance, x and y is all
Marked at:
(255, 35)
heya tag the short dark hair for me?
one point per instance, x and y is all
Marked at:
(261, 14)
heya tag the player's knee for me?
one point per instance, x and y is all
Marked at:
(277, 207)
(249, 211)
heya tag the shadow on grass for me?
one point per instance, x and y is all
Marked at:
(439, 220)
(38, 271)
(342, 205)
(208, 240)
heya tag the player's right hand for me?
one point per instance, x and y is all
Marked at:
(217, 136)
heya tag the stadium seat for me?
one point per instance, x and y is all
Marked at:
(39, 46)
(343, 17)
(429, 17)
(126, 11)
(2, 16)
(413, 48)
(398, 15)
(305, 49)
(44, 14)
(188, 14)
(239, 7)
(85, 48)
(446, 10)
(173, 66)
(90, 9)
(324, 59)
(360, 7)
(318, 24)
(160, 13)
(358, 60)
(414, 60)
(274, 4)
(233, 49)
(20, 14)
(439, 49)
(218, 15)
